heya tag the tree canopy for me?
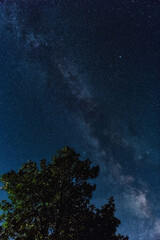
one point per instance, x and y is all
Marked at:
(52, 202)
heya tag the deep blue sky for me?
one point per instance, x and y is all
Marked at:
(85, 73)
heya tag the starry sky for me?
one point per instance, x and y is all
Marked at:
(85, 74)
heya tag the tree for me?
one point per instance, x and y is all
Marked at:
(104, 224)
(53, 202)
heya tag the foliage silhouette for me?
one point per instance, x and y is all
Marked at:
(53, 202)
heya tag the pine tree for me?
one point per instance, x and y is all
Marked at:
(53, 202)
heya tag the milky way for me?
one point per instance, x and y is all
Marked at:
(86, 74)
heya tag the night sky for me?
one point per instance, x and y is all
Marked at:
(85, 73)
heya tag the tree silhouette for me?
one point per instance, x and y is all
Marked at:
(53, 202)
